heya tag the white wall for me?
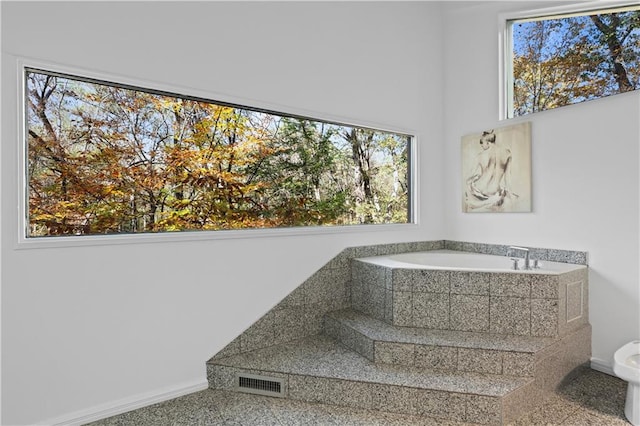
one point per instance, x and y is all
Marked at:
(585, 174)
(93, 326)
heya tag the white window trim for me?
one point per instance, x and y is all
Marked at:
(505, 54)
(24, 242)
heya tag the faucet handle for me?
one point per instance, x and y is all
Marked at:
(515, 265)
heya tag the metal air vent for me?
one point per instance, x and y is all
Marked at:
(260, 385)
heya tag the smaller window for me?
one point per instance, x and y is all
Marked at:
(562, 59)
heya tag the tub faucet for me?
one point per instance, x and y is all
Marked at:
(527, 266)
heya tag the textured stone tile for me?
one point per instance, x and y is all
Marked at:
(480, 361)
(394, 353)
(470, 283)
(395, 399)
(363, 345)
(388, 306)
(326, 284)
(339, 331)
(313, 317)
(260, 334)
(510, 315)
(544, 317)
(350, 394)
(432, 281)
(574, 300)
(518, 364)
(376, 306)
(544, 286)
(403, 308)
(365, 251)
(431, 310)
(469, 313)
(516, 285)
(308, 388)
(584, 418)
(221, 377)
(440, 404)
(402, 279)
(483, 409)
(553, 411)
(439, 358)
(289, 324)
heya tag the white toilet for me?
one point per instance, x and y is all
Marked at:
(626, 365)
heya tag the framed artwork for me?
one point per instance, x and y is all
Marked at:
(496, 170)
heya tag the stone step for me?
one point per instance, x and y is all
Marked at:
(437, 350)
(319, 369)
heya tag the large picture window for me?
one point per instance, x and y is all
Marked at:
(104, 158)
(565, 58)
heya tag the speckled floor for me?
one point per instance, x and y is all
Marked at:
(591, 398)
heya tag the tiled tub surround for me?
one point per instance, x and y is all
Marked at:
(454, 363)
(541, 303)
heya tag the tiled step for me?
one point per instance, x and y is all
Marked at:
(319, 369)
(437, 350)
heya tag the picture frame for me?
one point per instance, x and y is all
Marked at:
(496, 170)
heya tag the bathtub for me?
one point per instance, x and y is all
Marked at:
(452, 260)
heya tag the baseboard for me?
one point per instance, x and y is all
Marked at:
(103, 411)
(602, 366)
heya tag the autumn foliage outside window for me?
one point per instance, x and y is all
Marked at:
(108, 159)
(563, 60)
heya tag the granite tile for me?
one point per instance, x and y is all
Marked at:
(365, 251)
(439, 358)
(510, 315)
(469, 313)
(574, 300)
(363, 345)
(313, 317)
(339, 331)
(403, 308)
(544, 317)
(553, 411)
(508, 284)
(308, 388)
(446, 405)
(518, 364)
(476, 283)
(394, 353)
(260, 334)
(544, 286)
(402, 279)
(350, 394)
(480, 361)
(221, 376)
(289, 324)
(483, 409)
(432, 281)
(388, 306)
(428, 245)
(395, 399)
(431, 310)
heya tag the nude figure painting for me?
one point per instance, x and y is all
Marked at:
(496, 170)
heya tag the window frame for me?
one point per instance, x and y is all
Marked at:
(505, 43)
(25, 242)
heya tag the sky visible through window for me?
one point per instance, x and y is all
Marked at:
(560, 61)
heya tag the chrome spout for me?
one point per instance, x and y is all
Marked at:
(524, 250)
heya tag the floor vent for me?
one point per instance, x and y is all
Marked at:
(260, 385)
